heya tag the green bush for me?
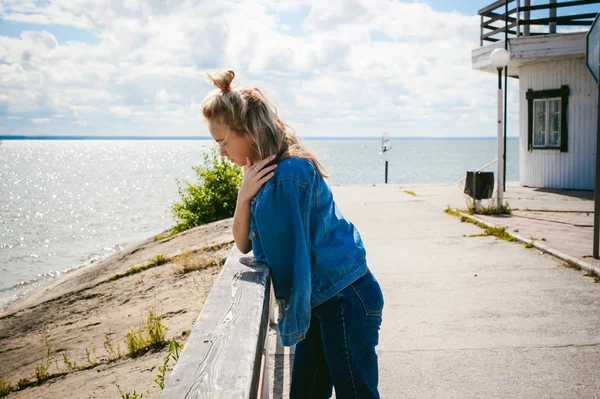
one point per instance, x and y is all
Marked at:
(212, 198)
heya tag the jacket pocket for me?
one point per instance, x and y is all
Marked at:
(369, 294)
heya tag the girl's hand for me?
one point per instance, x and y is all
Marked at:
(255, 176)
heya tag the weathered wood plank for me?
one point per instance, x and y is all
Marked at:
(527, 48)
(499, 30)
(557, 45)
(558, 5)
(493, 6)
(498, 17)
(566, 20)
(222, 356)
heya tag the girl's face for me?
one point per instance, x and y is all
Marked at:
(232, 146)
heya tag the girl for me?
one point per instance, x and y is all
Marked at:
(329, 302)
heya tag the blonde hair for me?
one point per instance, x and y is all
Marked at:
(249, 114)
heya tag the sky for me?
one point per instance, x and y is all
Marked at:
(336, 68)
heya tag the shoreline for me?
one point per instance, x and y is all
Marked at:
(73, 316)
(36, 285)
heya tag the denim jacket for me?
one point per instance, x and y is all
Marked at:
(312, 251)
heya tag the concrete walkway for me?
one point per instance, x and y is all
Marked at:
(559, 220)
(468, 317)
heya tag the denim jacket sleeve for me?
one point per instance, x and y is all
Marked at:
(282, 224)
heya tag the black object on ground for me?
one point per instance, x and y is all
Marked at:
(479, 185)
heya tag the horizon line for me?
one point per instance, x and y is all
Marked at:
(75, 137)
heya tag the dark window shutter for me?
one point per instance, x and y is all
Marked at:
(529, 97)
(564, 122)
(563, 93)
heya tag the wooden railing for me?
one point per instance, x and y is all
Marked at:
(507, 19)
(226, 355)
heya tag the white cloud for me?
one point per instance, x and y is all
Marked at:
(121, 112)
(162, 96)
(148, 69)
(40, 121)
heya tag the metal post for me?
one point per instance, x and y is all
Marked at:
(481, 32)
(505, 107)
(500, 144)
(518, 19)
(386, 172)
(552, 15)
(597, 190)
(505, 23)
(526, 18)
(504, 128)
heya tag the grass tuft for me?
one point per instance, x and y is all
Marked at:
(158, 260)
(528, 244)
(216, 247)
(167, 234)
(590, 273)
(156, 330)
(451, 211)
(151, 335)
(41, 373)
(70, 366)
(499, 232)
(41, 369)
(491, 210)
(409, 192)
(23, 383)
(190, 261)
(136, 343)
(174, 349)
(189, 267)
(572, 265)
(128, 395)
(5, 387)
(92, 363)
(110, 350)
(593, 273)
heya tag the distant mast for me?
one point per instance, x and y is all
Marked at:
(386, 144)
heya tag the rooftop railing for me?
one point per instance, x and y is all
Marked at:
(508, 19)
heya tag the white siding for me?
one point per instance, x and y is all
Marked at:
(574, 169)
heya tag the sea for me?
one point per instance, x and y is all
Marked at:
(68, 203)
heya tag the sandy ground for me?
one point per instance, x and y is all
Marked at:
(79, 310)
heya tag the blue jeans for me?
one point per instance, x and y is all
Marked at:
(339, 348)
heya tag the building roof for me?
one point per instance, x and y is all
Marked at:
(531, 49)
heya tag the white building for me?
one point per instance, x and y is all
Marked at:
(558, 97)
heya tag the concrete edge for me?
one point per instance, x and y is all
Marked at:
(556, 253)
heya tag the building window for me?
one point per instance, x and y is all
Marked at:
(547, 119)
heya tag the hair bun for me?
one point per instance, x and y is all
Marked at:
(222, 80)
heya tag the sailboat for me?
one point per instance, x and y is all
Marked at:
(386, 143)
